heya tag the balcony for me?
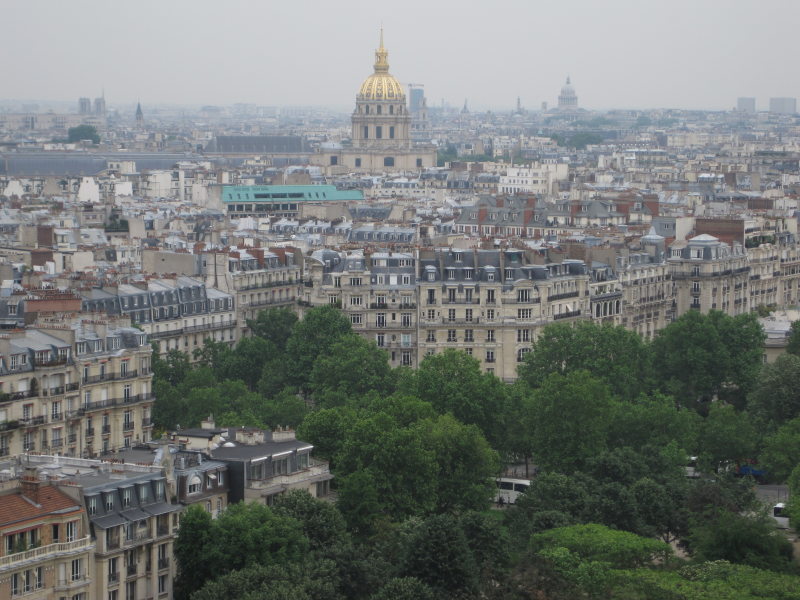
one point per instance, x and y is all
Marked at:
(131, 570)
(19, 559)
(130, 374)
(567, 315)
(56, 443)
(89, 432)
(128, 426)
(162, 530)
(32, 421)
(163, 563)
(72, 387)
(106, 429)
(113, 578)
(58, 416)
(147, 423)
(72, 438)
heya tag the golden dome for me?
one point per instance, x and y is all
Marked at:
(381, 85)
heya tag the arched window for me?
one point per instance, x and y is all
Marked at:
(194, 484)
(379, 109)
(391, 109)
(366, 110)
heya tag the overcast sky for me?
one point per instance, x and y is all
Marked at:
(619, 53)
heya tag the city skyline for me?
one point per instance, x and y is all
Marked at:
(619, 55)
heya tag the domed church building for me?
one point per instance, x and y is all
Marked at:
(381, 127)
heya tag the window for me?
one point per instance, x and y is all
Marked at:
(126, 497)
(72, 531)
(388, 161)
(490, 335)
(524, 313)
(110, 502)
(358, 162)
(523, 335)
(91, 505)
(194, 484)
(77, 569)
(355, 281)
(451, 335)
(391, 132)
(380, 340)
(490, 356)
(333, 299)
(468, 294)
(405, 358)
(431, 336)
(468, 315)
(163, 584)
(355, 300)
(380, 320)
(490, 314)
(356, 319)
(405, 319)
(490, 296)
(523, 295)
(366, 129)
(378, 131)
(419, 163)
(468, 335)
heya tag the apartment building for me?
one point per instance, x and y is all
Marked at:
(493, 303)
(180, 313)
(47, 550)
(378, 292)
(709, 274)
(258, 279)
(75, 387)
(132, 523)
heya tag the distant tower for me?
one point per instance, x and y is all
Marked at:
(465, 110)
(84, 106)
(746, 105)
(520, 110)
(139, 115)
(567, 99)
(100, 106)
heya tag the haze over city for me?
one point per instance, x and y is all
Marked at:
(619, 54)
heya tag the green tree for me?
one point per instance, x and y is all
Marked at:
(464, 461)
(83, 132)
(252, 534)
(776, 396)
(702, 357)
(569, 420)
(353, 367)
(315, 335)
(781, 452)
(750, 540)
(402, 465)
(190, 545)
(315, 580)
(404, 588)
(439, 555)
(322, 524)
(274, 325)
(452, 382)
(173, 368)
(727, 436)
(615, 355)
(358, 502)
(619, 549)
(327, 429)
(793, 345)
(653, 421)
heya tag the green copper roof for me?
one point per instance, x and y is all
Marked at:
(293, 193)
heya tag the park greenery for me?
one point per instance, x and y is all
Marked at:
(600, 420)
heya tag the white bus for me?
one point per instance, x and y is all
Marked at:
(509, 489)
(779, 514)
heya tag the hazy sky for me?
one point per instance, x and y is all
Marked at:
(619, 53)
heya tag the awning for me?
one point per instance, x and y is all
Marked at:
(134, 514)
(109, 521)
(162, 508)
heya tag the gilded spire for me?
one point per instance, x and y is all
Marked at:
(381, 57)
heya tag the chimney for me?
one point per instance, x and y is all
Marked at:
(30, 483)
(208, 423)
